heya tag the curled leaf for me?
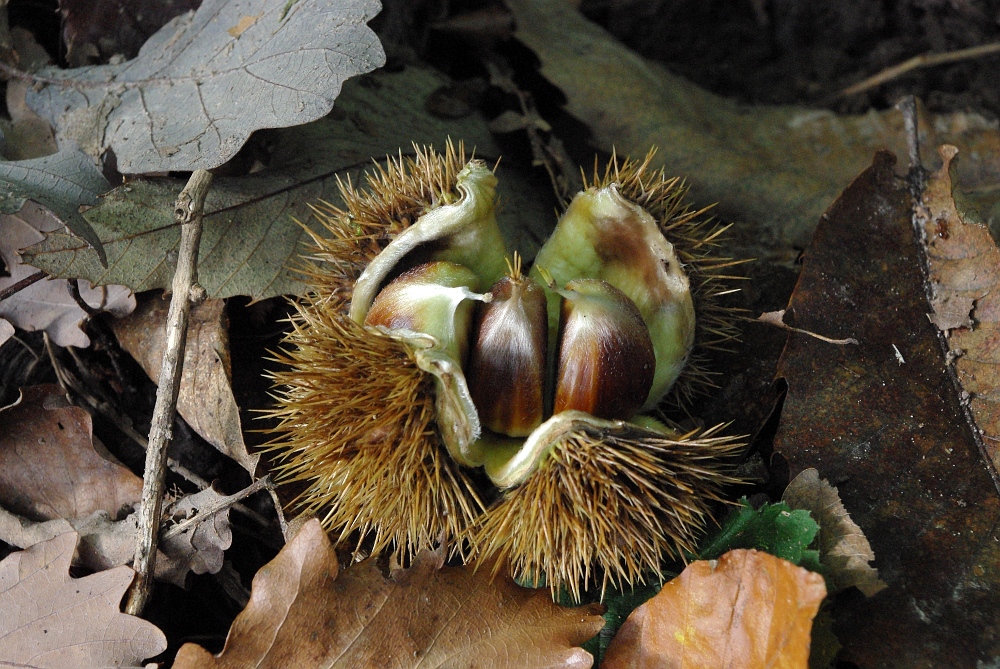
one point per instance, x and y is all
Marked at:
(843, 548)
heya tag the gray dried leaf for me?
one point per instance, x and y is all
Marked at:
(207, 79)
(53, 620)
(106, 543)
(200, 548)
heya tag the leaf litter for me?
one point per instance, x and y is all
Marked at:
(48, 304)
(205, 399)
(844, 549)
(312, 167)
(48, 466)
(304, 610)
(747, 609)
(892, 436)
(964, 277)
(54, 480)
(252, 236)
(775, 168)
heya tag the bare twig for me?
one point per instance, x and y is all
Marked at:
(60, 372)
(918, 62)
(917, 173)
(216, 506)
(908, 107)
(187, 212)
(22, 284)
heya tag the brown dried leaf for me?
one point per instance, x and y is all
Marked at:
(964, 265)
(843, 547)
(747, 609)
(884, 420)
(301, 613)
(27, 135)
(47, 305)
(106, 543)
(52, 620)
(48, 465)
(206, 399)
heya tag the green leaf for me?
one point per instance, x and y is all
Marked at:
(773, 528)
(61, 183)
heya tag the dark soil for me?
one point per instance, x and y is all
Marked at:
(805, 52)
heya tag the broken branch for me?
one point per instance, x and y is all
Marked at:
(188, 213)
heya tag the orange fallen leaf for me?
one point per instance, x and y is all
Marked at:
(747, 609)
(303, 613)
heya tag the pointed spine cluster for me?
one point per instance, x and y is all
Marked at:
(606, 506)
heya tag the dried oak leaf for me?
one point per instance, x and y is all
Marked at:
(844, 548)
(52, 620)
(748, 609)
(206, 399)
(200, 548)
(302, 613)
(106, 543)
(48, 466)
(285, 70)
(884, 419)
(251, 243)
(964, 265)
(47, 304)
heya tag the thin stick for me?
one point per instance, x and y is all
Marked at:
(221, 503)
(918, 176)
(61, 374)
(22, 284)
(187, 212)
(918, 62)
